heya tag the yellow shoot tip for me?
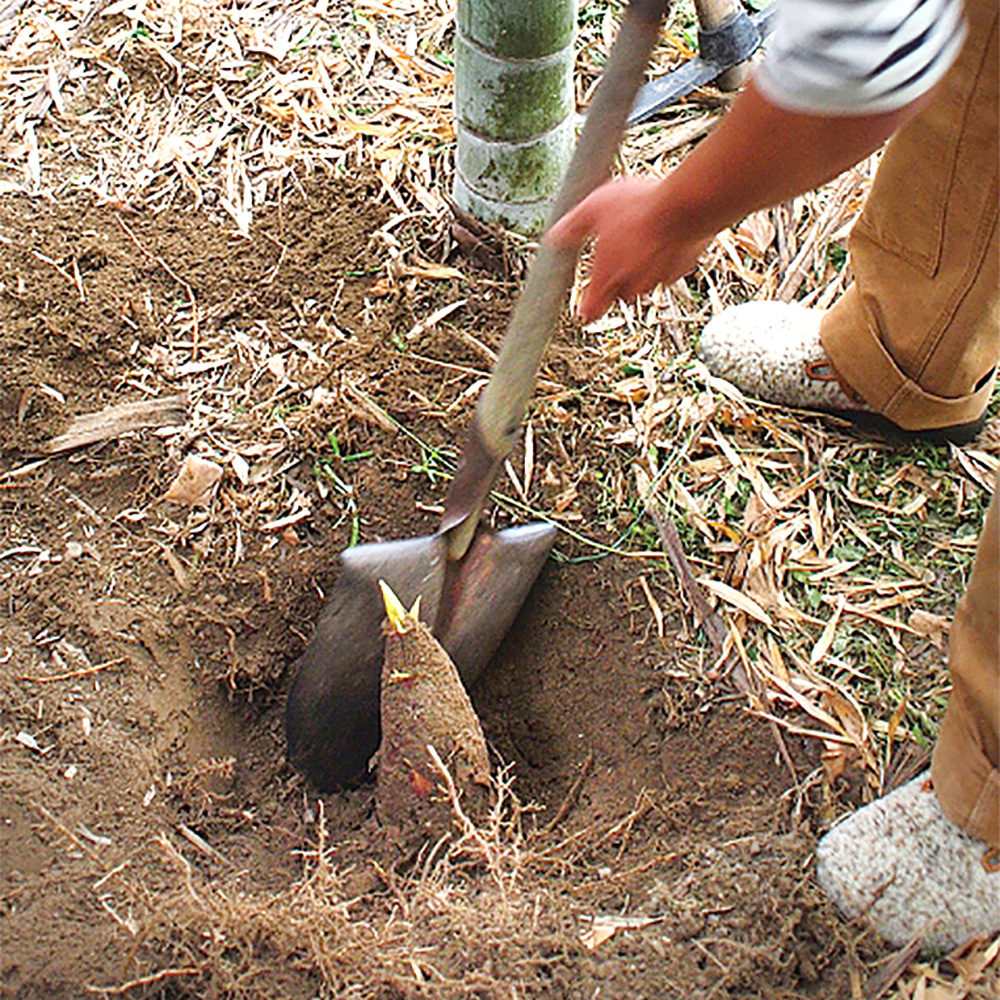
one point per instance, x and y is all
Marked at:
(394, 609)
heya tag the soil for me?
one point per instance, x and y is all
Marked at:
(156, 844)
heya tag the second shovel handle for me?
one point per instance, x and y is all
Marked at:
(712, 15)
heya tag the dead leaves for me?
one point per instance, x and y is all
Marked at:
(420, 268)
(605, 925)
(399, 270)
(932, 626)
(282, 97)
(823, 611)
(972, 972)
(825, 640)
(195, 483)
(195, 148)
(737, 599)
(756, 234)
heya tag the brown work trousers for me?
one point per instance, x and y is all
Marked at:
(918, 336)
(966, 777)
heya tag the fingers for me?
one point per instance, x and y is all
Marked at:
(598, 296)
(574, 227)
(570, 232)
(595, 301)
(617, 271)
(632, 251)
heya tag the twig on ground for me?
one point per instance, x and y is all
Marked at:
(72, 837)
(203, 845)
(156, 977)
(61, 271)
(180, 281)
(893, 969)
(113, 421)
(72, 674)
(571, 796)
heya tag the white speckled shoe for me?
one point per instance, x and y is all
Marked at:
(771, 350)
(908, 869)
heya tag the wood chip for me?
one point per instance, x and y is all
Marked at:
(114, 421)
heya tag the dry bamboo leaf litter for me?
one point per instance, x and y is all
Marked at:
(224, 106)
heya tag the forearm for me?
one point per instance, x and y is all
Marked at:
(652, 231)
(761, 155)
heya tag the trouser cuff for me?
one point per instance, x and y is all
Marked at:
(966, 784)
(852, 343)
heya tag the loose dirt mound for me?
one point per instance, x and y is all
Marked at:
(155, 842)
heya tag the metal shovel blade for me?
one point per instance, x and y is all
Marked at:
(332, 713)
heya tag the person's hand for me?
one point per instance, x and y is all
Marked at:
(638, 245)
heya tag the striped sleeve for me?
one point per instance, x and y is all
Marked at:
(859, 56)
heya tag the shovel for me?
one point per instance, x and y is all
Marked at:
(471, 582)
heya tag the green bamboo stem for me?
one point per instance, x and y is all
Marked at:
(514, 106)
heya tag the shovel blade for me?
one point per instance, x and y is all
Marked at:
(481, 600)
(332, 713)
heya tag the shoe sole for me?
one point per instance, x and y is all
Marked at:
(876, 424)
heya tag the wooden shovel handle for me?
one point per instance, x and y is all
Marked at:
(713, 13)
(501, 406)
